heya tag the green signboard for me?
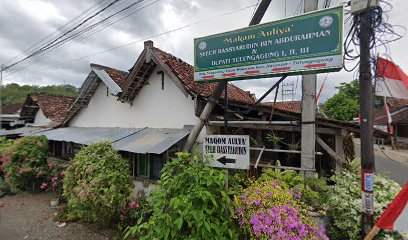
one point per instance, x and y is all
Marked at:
(307, 43)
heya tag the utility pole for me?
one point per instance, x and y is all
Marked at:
(212, 100)
(366, 125)
(308, 143)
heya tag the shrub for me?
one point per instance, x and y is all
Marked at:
(97, 184)
(314, 190)
(345, 204)
(24, 162)
(136, 212)
(189, 202)
(267, 209)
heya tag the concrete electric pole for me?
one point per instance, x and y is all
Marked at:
(308, 143)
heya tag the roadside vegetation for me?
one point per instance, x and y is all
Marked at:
(193, 200)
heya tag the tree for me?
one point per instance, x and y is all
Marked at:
(345, 104)
(341, 107)
(14, 93)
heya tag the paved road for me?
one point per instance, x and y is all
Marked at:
(395, 170)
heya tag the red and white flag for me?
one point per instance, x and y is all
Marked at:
(395, 217)
(391, 80)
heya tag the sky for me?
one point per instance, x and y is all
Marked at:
(23, 23)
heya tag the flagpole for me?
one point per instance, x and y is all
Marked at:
(372, 233)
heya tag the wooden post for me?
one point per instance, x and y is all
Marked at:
(339, 137)
(308, 143)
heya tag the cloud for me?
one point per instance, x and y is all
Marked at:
(25, 22)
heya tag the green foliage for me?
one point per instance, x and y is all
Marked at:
(314, 190)
(25, 162)
(190, 202)
(4, 144)
(14, 93)
(341, 107)
(344, 202)
(351, 90)
(136, 212)
(97, 184)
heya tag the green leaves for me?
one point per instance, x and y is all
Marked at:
(97, 184)
(190, 202)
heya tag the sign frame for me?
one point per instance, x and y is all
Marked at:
(225, 72)
(227, 151)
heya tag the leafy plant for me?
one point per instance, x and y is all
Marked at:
(189, 202)
(344, 204)
(136, 212)
(97, 184)
(270, 210)
(273, 138)
(314, 190)
(24, 162)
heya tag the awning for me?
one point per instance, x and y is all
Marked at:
(136, 140)
(22, 131)
(151, 140)
(87, 136)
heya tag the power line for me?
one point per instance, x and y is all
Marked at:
(55, 40)
(148, 37)
(45, 39)
(89, 31)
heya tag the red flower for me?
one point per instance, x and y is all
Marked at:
(50, 165)
(62, 174)
(43, 185)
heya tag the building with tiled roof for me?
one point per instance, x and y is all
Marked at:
(45, 109)
(12, 108)
(290, 106)
(399, 116)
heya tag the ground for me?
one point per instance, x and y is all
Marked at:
(29, 216)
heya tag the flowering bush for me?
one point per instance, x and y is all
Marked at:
(53, 177)
(189, 202)
(97, 184)
(314, 190)
(25, 162)
(136, 212)
(267, 209)
(345, 205)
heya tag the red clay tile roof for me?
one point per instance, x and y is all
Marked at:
(12, 108)
(118, 76)
(290, 106)
(54, 107)
(396, 108)
(400, 116)
(185, 73)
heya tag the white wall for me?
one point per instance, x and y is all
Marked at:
(41, 119)
(152, 107)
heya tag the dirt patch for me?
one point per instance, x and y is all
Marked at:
(29, 216)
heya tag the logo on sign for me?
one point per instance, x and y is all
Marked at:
(202, 45)
(325, 21)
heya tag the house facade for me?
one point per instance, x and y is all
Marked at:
(146, 112)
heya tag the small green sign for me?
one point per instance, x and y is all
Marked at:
(304, 44)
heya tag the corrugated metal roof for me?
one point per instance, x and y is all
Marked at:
(137, 140)
(87, 136)
(22, 131)
(151, 140)
(112, 86)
